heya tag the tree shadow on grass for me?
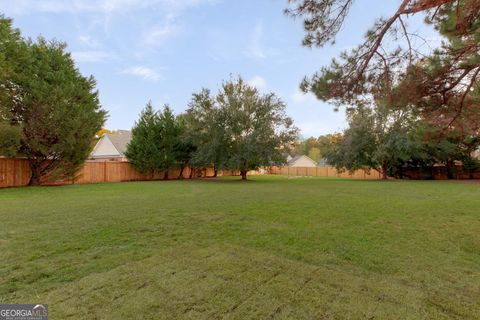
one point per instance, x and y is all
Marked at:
(229, 180)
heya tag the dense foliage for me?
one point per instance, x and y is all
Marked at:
(44, 94)
(317, 148)
(240, 129)
(157, 141)
(391, 141)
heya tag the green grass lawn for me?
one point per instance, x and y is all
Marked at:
(271, 247)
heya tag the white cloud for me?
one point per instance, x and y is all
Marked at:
(156, 35)
(88, 41)
(255, 48)
(142, 72)
(299, 97)
(102, 6)
(258, 82)
(91, 56)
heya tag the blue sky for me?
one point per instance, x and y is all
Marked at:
(163, 50)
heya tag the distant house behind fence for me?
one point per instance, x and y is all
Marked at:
(302, 161)
(112, 146)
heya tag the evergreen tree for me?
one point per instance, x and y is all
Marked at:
(43, 93)
(143, 151)
(170, 140)
(440, 84)
(156, 144)
(10, 137)
(13, 51)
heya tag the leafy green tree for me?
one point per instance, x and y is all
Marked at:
(328, 143)
(314, 154)
(186, 148)
(304, 146)
(252, 129)
(45, 94)
(440, 147)
(377, 138)
(205, 129)
(143, 150)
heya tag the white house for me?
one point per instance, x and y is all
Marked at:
(302, 161)
(112, 147)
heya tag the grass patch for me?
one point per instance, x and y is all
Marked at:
(269, 248)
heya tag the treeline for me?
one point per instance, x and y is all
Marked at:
(236, 129)
(317, 148)
(50, 113)
(408, 106)
(392, 141)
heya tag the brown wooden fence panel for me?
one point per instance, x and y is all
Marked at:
(14, 172)
(324, 172)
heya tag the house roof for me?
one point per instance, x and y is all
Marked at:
(120, 140)
(296, 158)
(322, 163)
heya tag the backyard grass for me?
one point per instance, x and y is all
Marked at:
(271, 247)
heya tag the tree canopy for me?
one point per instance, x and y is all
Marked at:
(56, 107)
(240, 129)
(442, 83)
(157, 143)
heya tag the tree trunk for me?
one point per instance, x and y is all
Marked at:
(191, 173)
(215, 172)
(36, 177)
(449, 169)
(384, 170)
(180, 175)
(243, 173)
(165, 175)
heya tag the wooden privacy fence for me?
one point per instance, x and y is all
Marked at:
(325, 172)
(16, 173)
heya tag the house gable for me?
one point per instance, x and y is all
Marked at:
(302, 161)
(105, 149)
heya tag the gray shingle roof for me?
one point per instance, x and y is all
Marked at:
(120, 140)
(294, 159)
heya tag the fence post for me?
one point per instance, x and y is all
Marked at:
(105, 171)
(14, 172)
